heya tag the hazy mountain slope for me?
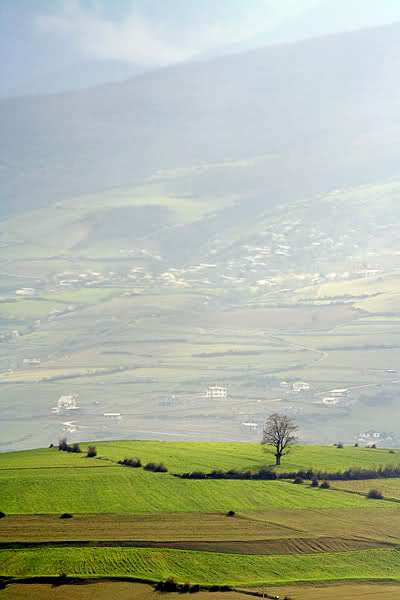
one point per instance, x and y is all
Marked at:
(79, 75)
(324, 111)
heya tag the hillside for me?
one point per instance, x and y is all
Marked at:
(326, 107)
(229, 222)
(131, 523)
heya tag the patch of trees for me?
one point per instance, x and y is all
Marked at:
(75, 448)
(65, 447)
(267, 473)
(171, 585)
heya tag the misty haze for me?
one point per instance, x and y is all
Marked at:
(199, 231)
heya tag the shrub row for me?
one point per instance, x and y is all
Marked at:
(150, 466)
(351, 474)
(263, 473)
(267, 473)
(65, 447)
(131, 462)
(171, 585)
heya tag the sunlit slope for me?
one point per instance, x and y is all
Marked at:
(205, 568)
(48, 481)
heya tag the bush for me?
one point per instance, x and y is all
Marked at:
(298, 480)
(66, 516)
(356, 445)
(156, 467)
(265, 472)
(314, 483)
(392, 452)
(75, 448)
(195, 588)
(197, 475)
(339, 445)
(375, 494)
(91, 451)
(51, 446)
(373, 446)
(185, 587)
(131, 462)
(230, 513)
(170, 585)
(62, 444)
(325, 485)
(2, 515)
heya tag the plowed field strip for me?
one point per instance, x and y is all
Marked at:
(260, 547)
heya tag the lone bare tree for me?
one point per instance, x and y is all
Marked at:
(279, 434)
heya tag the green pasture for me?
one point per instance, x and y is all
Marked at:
(49, 481)
(390, 488)
(121, 490)
(204, 568)
(181, 457)
(190, 456)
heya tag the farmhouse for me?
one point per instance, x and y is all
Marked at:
(67, 402)
(301, 386)
(216, 391)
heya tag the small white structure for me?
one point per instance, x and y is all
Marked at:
(330, 400)
(284, 384)
(113, 415)
(216, 391)
(339, 392)
(31, 361)
(67, 402)
(250, 426)
(301, 386)
(25, 292)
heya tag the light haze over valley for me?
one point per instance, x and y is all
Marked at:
(199, 220)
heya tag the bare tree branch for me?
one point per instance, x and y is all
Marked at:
(278, 435)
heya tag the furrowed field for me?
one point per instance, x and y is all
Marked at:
(129, 522)
(205, 568)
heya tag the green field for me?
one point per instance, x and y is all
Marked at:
(123, 490)
(133, 523)
(390, 488)
(204, 568)
(181, 457)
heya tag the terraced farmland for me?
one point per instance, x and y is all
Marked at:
(133, 523)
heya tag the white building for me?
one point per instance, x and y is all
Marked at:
(113, 415)
(68, 402)
(216, 391)
(339, 392)
(301, 386)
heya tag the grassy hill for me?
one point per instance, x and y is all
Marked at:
(132, 523)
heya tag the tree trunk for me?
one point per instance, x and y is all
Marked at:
(278, 459)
